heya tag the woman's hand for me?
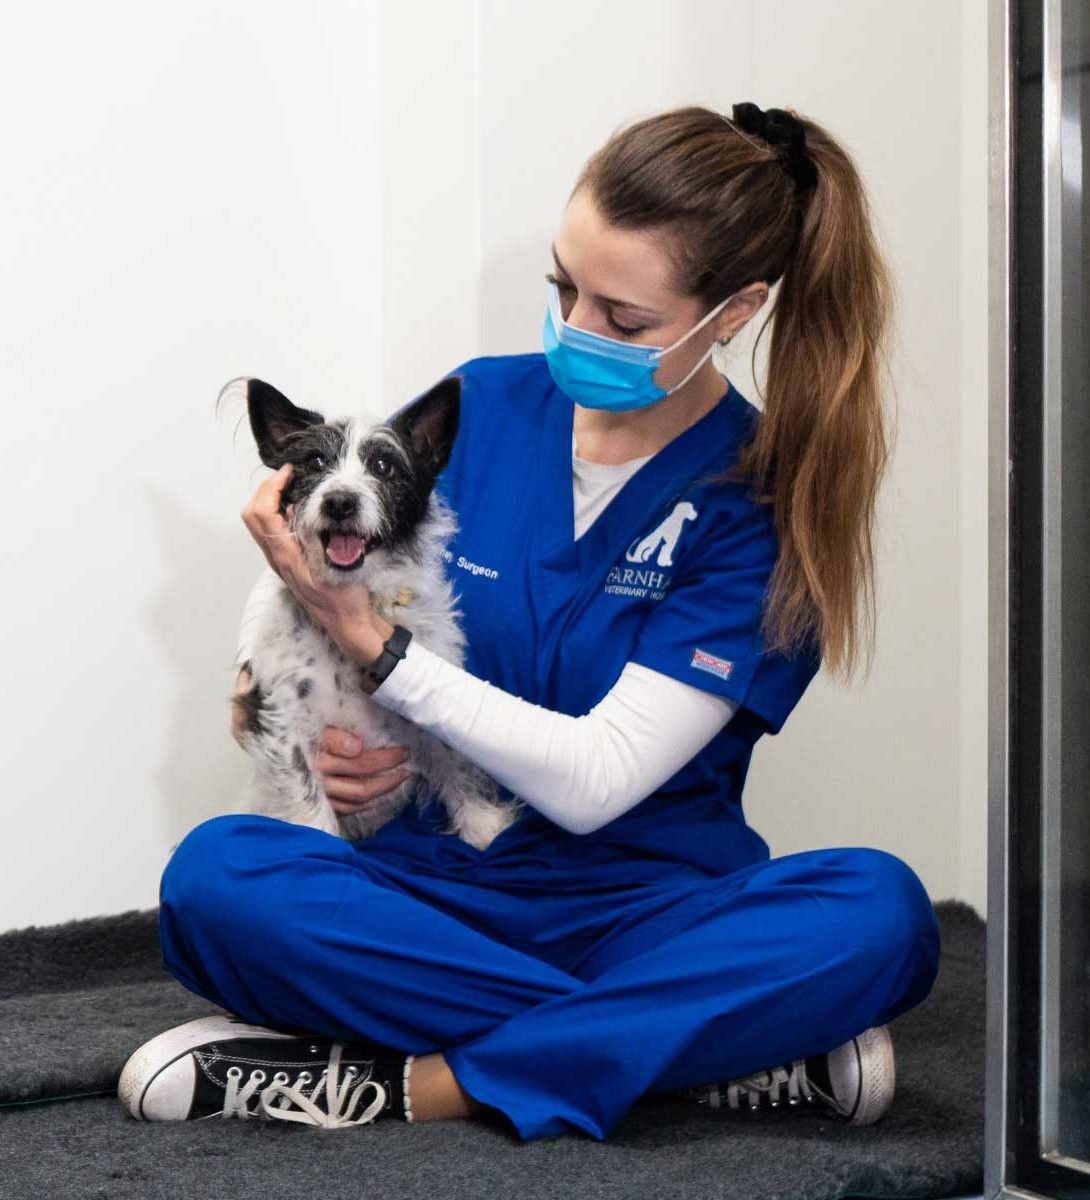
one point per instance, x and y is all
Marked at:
(344, 611)
(352, 775)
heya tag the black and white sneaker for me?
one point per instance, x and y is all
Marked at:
(855, 1080)
(220, 1066)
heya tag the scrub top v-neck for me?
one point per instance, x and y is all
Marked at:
(671, 574)
(594, 484)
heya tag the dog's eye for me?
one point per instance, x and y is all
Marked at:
(382, 465)
(316, 462)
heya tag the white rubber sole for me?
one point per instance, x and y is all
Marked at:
(870, 1062)
(154, 1057)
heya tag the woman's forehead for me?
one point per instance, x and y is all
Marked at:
(627, 264)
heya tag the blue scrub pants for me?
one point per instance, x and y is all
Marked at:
(557, 1011)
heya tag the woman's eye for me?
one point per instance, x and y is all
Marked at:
(627, 330)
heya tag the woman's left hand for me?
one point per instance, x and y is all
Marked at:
(344, 611)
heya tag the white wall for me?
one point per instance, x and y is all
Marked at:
(348, 203)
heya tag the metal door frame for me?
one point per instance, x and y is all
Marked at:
(1024, 387)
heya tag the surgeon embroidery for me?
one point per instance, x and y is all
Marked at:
(663, 537)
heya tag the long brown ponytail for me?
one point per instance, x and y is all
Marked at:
(732, 215)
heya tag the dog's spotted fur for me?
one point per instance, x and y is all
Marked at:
(302, 681)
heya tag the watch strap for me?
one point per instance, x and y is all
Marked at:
(393, 651)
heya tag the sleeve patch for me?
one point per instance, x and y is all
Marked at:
(702, 660)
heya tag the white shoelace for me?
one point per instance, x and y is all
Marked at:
(276, 1100)
(799, 1084)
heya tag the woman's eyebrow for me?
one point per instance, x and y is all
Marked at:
(609, 299)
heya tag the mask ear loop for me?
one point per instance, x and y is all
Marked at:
(703, 360)
(699, 325)
(685, 336)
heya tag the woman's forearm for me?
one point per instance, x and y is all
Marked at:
(580, 772)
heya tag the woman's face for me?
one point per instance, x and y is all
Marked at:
(618, 283)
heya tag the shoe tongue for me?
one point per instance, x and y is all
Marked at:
(817, 1069)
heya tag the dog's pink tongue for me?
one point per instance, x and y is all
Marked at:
(344, 548)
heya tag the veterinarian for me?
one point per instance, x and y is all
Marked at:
(651, 572)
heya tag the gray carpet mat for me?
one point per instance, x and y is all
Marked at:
(77, 999)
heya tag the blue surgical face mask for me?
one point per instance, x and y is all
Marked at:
(602, 372)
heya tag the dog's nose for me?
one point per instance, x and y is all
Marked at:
(339, 506)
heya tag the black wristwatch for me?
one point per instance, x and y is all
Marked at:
(393, 651)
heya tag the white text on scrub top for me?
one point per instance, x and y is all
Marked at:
(472, 567)
(630, 581)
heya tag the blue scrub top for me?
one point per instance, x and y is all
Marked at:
(671, 574)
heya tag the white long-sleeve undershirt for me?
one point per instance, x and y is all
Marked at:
(579, 772)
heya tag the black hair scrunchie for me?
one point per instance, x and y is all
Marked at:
(785, 133)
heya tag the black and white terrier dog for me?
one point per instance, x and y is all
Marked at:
(362, 504)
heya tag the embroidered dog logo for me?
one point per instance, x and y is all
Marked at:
(663, 537)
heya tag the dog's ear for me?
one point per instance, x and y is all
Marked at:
(429, 424)
(272, 418)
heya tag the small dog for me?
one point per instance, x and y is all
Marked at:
(361, 502)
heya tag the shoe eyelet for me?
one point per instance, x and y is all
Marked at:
(351, 1070)
(281, 1077)
(259, 1075)
(304, 1077)
(234, 1072)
